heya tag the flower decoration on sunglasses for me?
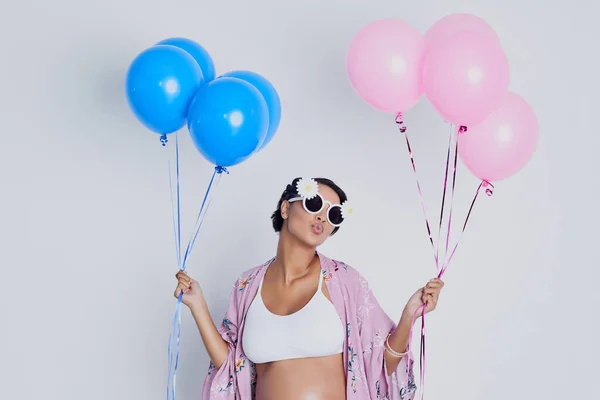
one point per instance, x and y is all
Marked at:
(307, 188)
(313, 202)
(347, 209)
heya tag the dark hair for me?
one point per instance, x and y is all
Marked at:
(291, 191)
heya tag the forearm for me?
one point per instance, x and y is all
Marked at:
(398, 341)
(215, 345)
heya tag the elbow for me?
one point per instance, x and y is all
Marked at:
(391, 364)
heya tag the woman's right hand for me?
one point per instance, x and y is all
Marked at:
(192, 293)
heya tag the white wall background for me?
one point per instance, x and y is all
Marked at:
(87, 260)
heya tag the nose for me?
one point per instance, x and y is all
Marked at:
(322, 216)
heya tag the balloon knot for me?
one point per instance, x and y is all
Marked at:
(400, 122)
(221, 170)
(163, 139)
(462, 129)
(489, 188)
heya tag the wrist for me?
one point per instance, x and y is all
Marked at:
(406, 318)
(198, 305)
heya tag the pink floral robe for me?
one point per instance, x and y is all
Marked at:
(367, 329)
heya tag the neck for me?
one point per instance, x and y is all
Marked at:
(293, 259)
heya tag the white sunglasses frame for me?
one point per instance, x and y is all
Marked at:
(325, 202)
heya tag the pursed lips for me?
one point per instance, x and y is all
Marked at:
(317, 229)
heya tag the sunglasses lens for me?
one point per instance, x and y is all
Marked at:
(335, 215)
(314, 205)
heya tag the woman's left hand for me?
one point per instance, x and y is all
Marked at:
(428, 294)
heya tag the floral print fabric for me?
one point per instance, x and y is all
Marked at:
(367, 327)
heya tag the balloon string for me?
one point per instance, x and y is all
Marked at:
(460, 130)
(175, 198)
(489, 190)
(402, 129)
(214, 182)
(173, 349)
(174, 337)
(174, 175)
(442, 208)
(420, 310)
(422, 353)
(173, 164)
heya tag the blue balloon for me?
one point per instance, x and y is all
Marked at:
(198, 52)
(160, 85)
(270, 95)
(228, 120)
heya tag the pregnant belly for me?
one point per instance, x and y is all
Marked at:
(321, 378)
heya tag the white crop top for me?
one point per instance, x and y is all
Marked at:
(316, 330)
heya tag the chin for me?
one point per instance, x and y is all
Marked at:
(309, 239)
(316, 240)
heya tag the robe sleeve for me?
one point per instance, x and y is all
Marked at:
(222, 383)
(374, 325)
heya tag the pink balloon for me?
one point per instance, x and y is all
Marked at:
(384, 64)
(503, 144)
(455, 23)
(465, 77)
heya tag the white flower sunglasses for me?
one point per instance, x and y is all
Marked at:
(335, 212)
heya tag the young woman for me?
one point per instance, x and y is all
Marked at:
(303, 326)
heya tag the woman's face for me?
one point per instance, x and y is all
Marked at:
(310, 229)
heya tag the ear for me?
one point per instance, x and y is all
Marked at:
(285, 209)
